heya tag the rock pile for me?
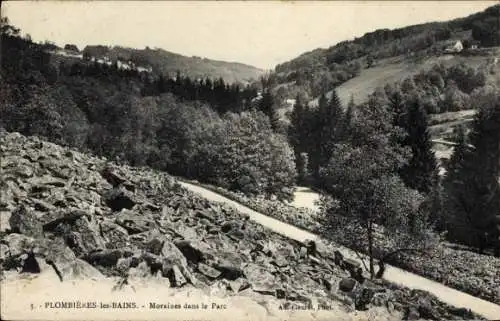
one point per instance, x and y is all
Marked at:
(83, 217)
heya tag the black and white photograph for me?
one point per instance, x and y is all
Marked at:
(250, 160)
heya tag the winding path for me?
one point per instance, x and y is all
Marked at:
(446, 294)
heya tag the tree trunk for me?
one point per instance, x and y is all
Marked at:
(370, 249)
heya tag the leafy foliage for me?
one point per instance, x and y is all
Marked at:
(197, 129)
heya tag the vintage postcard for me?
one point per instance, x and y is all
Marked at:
(250, 160)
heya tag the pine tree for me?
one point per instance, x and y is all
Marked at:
(472, 186)
(421, 172)
(328, 123)
(267, 106)
(298, 136)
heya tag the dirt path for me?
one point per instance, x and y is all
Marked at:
(448, 295)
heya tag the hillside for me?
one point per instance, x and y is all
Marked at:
(79, 217)
(385, 56)
(166, 62)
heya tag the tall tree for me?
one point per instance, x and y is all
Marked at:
(268, 107)
(472, 183)
(298, 136)
(327, 132)
(362, 177)
(421, 171)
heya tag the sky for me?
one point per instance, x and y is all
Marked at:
(259, 33)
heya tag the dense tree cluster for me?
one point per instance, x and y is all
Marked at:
(199, 130)
(221, 96)
(472, 183)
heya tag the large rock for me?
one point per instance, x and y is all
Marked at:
(114, 235)
(17, 244)
(112, 176)
(347, 284)
(119, 198)
(80, 270)
(68, 217)
(176, 277)
(195, 250)
(230, 264)
(260, 279)
(105, 258)
(25, 221)
(208, 271)
(134, 222)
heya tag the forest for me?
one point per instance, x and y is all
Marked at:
(374, 160)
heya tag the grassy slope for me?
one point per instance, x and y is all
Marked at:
(392, 70)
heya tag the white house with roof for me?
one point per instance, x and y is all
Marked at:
(454, 47)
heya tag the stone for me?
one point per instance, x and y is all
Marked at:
(209, 271)
(119, 198)
(106, 258)
(351, 265)
(4, 251)
(238, 285)
(123, 264)
(176, 278)
(412, 313)
(425, 309)
(229, 226)
(311, 247)
(69, 217)
(80, 270)
(363, 299)
(18, 244)
(112, 176)
(303, 252)
(134, 222)
(229, 263)
(338, 258)
(194, 250)
(347, 284)
(25, 221)
(114, 235)
(30, 264)
(260, 279)
(390, 307)
(142, 270)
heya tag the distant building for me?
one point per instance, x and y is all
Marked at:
(454, 47)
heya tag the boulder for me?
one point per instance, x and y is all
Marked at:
(338, 258)
(176, 277)
(114, 235)
(112, 176)
(347, 285)
(208, 271)
(105, 258)
(238, 285)
(311, 247)
(134, 222)
(364, 299)
(426, 310)
(119, 198)
(18, 244)
(351, 265)
(412, 313)
(65, 216)
(229, 263)
(229, 226)
(80, 270)
(25, 221)
(194, 250)
(260, 279)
